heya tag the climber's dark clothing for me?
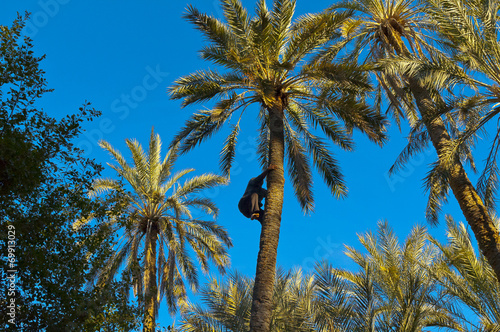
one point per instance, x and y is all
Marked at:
(251, 202)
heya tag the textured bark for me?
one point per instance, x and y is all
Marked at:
(151, 290)
(471, 204)
(260, 320)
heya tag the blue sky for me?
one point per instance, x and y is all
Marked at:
(122, 56)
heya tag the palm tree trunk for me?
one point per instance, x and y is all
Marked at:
(471, 204)
(260, 319)
(151, 290)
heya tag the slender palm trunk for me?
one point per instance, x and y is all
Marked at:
(260, 320)
(471, 204)
(150, 281)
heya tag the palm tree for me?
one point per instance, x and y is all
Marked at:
(265, 63)
(467, 278)
(468, 31)
(227, 304)
(392, 291)
(158, 227)
(393, 30)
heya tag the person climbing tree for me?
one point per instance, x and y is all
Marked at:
(251, 202)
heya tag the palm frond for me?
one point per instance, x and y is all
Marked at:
(187, 267)
(282, 14)
(102, 185)
(334, 308)
(237, 19)
(115, 154)
(199, 183)
(214, 228)
(174, 179)
(106, 273)
(154, 166)
(212, 28)
(309, 33)
(205, 204)
(141, 167)
(487, 184)
(261, 41)
(467, 277)
(437, 183)
(200, 127)
(204, 85)
(229, 151)
(327, 166)
(357, 115)
(298, 168)
(168, 163)
(330, 127)
(417, 143)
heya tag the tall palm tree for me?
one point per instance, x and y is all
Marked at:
(467, 278)
(392, 291)
(265, 62)
(469, 33)
(158, 227)
(394, 29)
(227, 304)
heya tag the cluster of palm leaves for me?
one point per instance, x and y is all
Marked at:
(398, 287)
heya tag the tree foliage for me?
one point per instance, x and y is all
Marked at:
(43, 184)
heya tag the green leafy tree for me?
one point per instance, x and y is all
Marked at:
(43, 184)
(394, 33)
(22, 126)
(268, 61)
(158, 227)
